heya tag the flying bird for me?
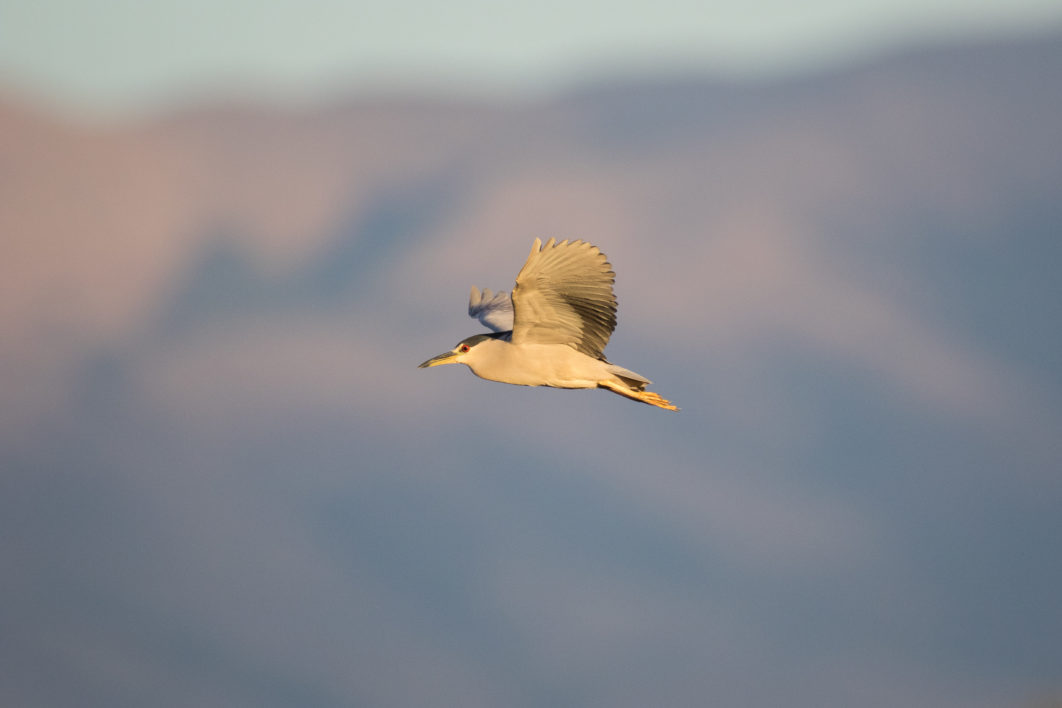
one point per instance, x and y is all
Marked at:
(553, 329)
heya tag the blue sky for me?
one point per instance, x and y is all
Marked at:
(117, 56)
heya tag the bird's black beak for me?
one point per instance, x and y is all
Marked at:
(444, 358)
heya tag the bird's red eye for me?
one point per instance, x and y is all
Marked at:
(464, 348)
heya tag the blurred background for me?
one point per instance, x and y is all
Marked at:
(230, 231)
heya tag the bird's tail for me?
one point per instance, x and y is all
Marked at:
(634, 381)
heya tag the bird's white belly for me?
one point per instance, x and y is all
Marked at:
(541, 365)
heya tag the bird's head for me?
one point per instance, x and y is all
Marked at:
(463, 353)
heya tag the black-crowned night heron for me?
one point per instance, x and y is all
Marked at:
(553, 330)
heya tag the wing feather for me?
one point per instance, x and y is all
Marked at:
(563, 295)
(495, 310)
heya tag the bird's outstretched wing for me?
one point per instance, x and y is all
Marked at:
(563, 295)
(493, 310)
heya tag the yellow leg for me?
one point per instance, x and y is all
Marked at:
(653, 399)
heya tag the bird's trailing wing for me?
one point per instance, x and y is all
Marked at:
(495, 310)
(563, 295)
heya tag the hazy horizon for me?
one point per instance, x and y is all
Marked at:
(104, 60)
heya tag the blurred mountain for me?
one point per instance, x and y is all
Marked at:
(225, 482)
